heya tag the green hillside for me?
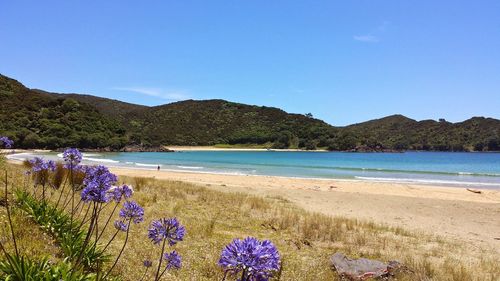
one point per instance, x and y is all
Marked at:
(210, 122)
(217, 121)
(402, 133)
(38, 119)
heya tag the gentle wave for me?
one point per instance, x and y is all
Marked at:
(427, 181)
(86, 157)
(383, 170)
(190, 167)
(222, 172)
(147, 165)
(22, 153)
(104, 160)
(418, 172)
(19, 156)
(235, 173)
(91, 154)
(363, 169)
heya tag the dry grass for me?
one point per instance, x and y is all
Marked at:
(305, 240)
(31, 240)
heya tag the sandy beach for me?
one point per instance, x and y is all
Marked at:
(445, 211)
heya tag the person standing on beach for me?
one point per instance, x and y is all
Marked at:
(158, 167)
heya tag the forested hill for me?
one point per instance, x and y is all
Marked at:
(401, 133)
(41, 120)
(38, 119)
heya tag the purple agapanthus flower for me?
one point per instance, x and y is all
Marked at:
(39, 165)
(147, 263)
(169, 229)
(118, 193)
(36, 163)
(133, 211)
(98, 180)
(6, 142)
(81, 168)
(51, 165)
(173, 259)
(254, 259)
(120, 225)
(72, 157)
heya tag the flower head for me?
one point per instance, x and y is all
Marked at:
(119, 192)
(169, 229)
(120, 225)
(147, 263)
(97, 182)
(131, 210)
(51, 165)
(36, 163)
(72, 157)
(6, 142)
(40, 165)
(173, 259)
(257, 259)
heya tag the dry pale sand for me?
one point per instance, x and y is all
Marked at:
(445, 211)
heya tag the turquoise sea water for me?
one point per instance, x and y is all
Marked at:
(444, 168)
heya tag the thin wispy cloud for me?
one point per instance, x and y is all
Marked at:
(373, 36)
(172, 95)
(366, 38)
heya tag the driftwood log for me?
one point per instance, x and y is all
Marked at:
(362, 269)
(474, 190)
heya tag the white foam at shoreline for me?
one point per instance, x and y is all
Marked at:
(19, 156)
(26, 155)
(206, 172)
(190, 167)
(100, 160)
(91, 154)
(147, 165)
(152, 166)
(86, 157)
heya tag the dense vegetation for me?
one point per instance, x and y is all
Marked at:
(37, 119)
(402, 133)
(217, 121)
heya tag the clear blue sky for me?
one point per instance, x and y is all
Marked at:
(343, 61)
